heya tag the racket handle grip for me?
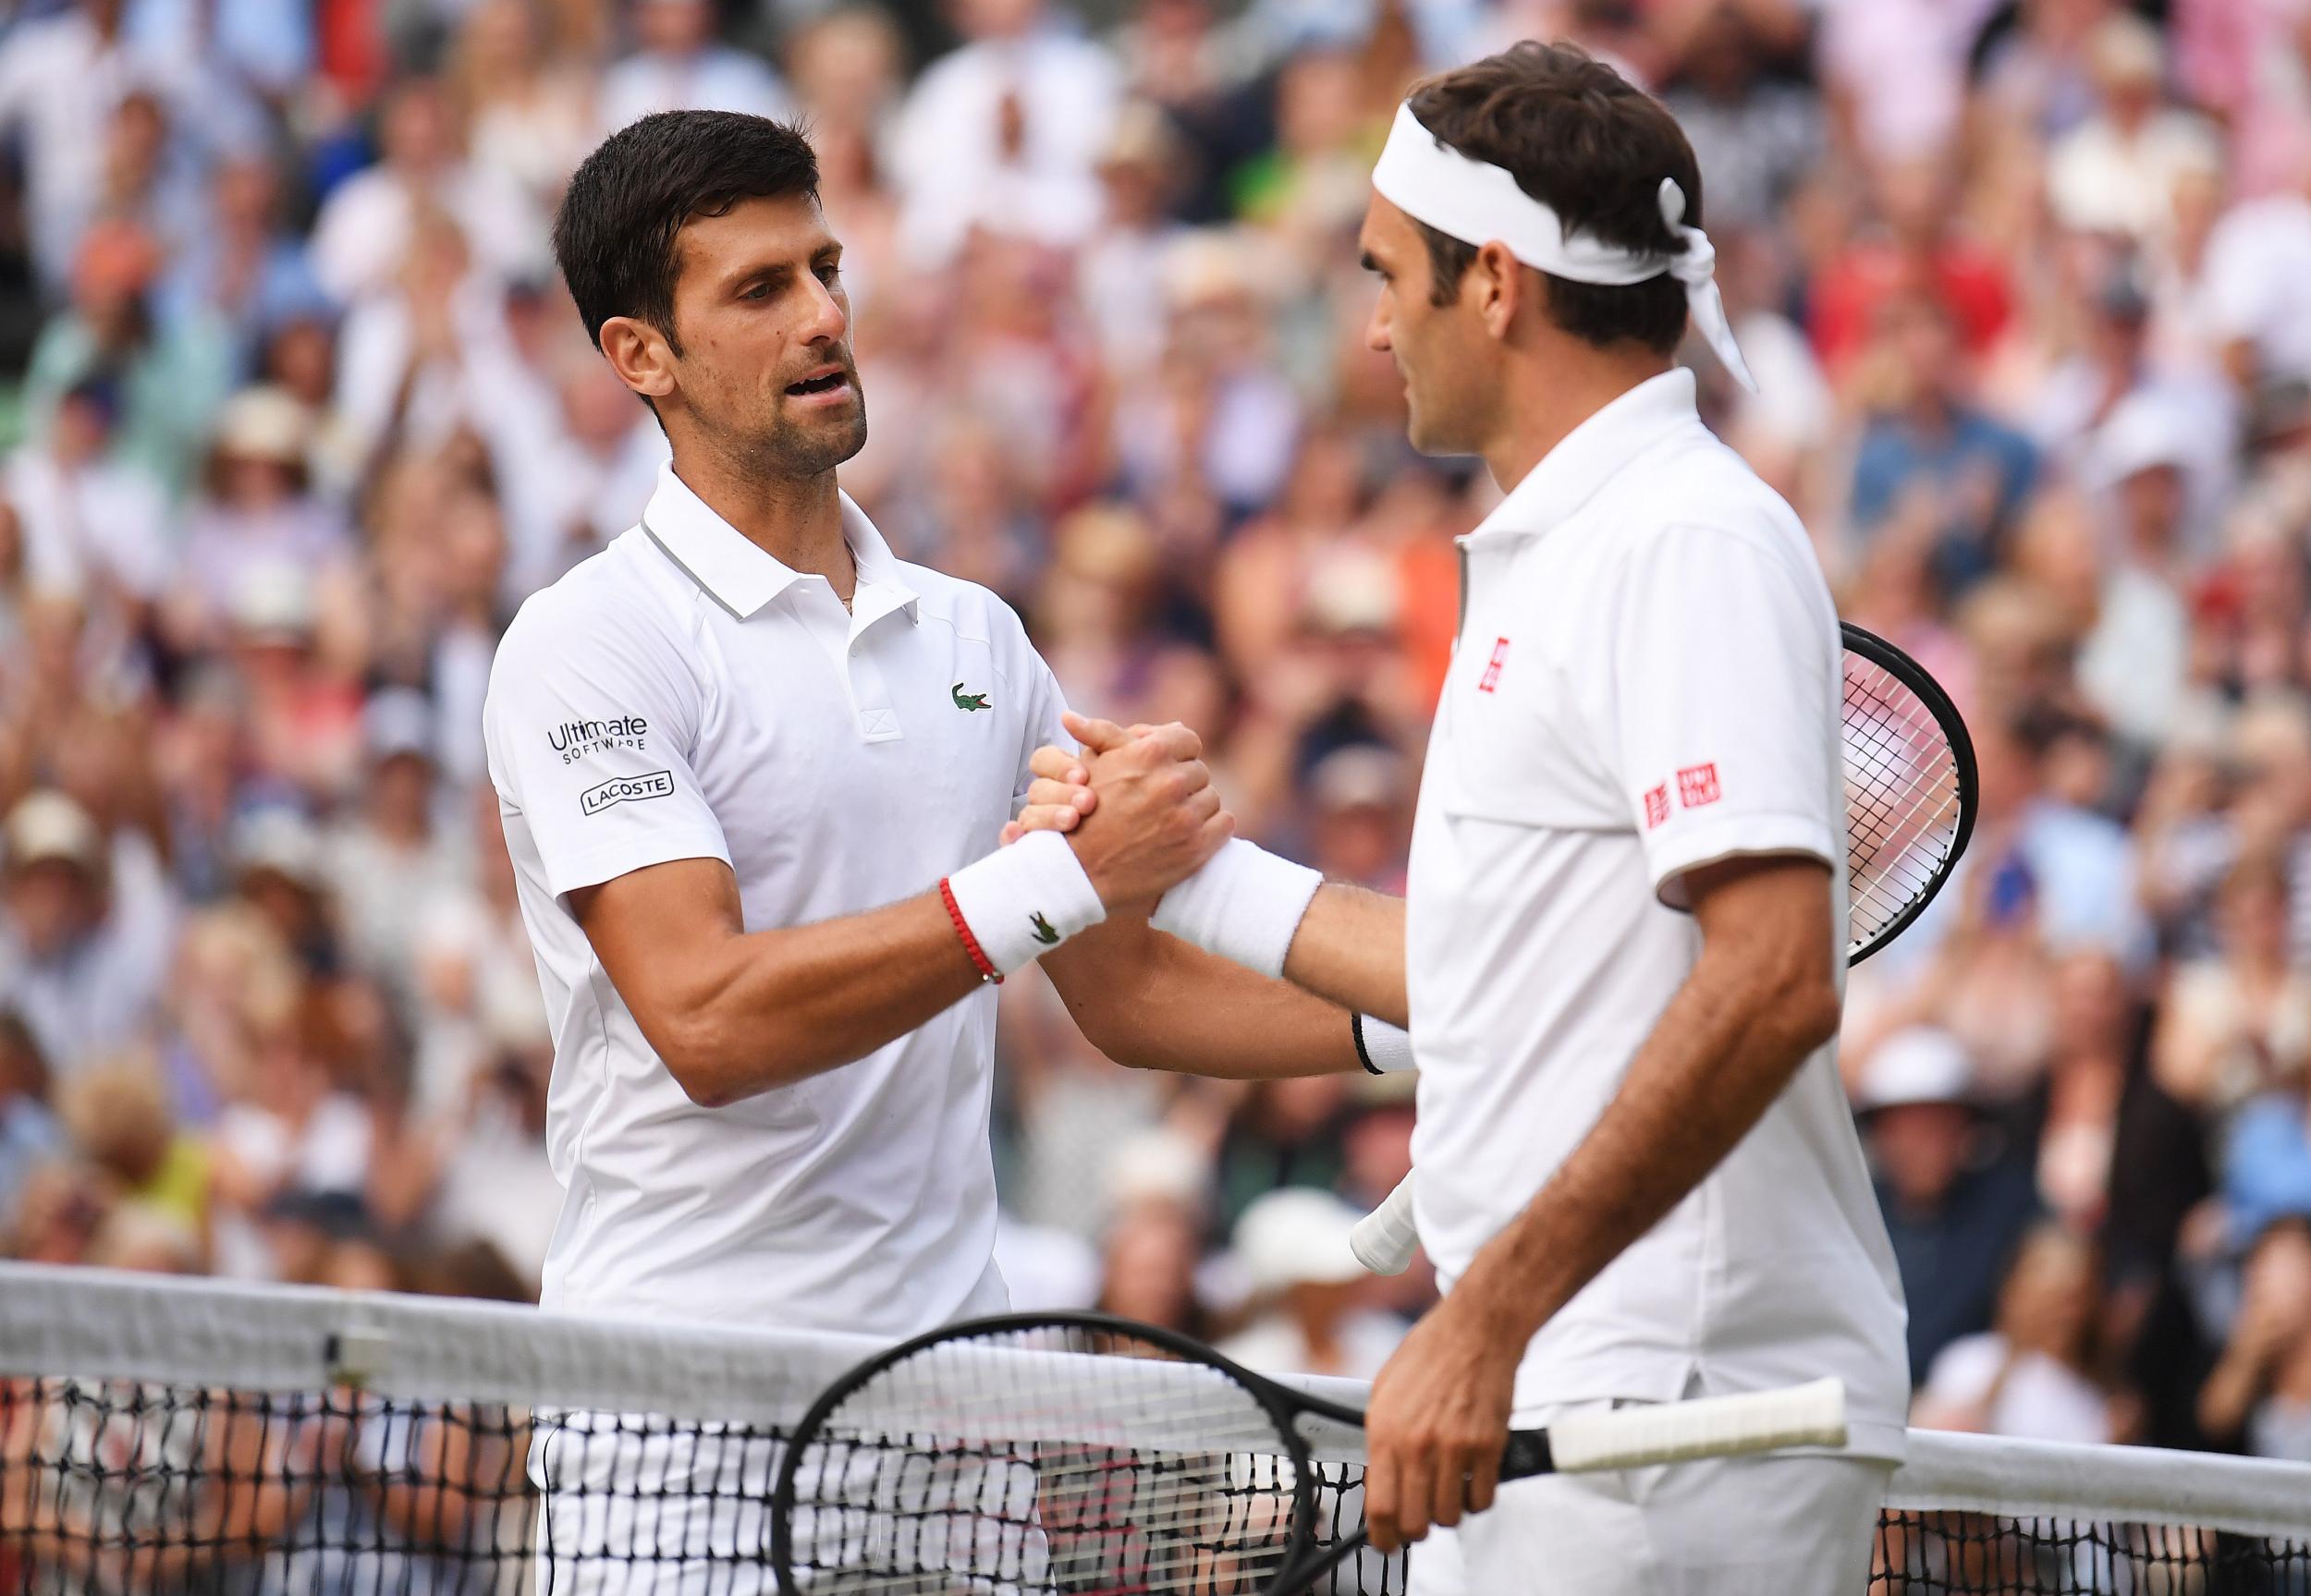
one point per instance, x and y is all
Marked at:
(1384, 1239)
(1809, 1415)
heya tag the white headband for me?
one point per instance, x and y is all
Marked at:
(1474, 202)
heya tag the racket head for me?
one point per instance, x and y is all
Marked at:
(1028, 1453)
(1912, 790)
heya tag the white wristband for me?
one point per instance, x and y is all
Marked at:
(1243, 904)
(1383, 1049)
(1023, 901)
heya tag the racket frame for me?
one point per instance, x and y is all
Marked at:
(1527, 1452)
(1915, 676)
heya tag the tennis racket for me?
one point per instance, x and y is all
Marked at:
(1040, 1453)
(1911, 790)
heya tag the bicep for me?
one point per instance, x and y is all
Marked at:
(1770, 939)
(660, 932)
(1768, 905)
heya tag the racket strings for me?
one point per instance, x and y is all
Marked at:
(1903, 799)
(991, 1465)
(1203, 1535)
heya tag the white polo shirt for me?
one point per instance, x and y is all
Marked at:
(684, 695)
(1648, 678)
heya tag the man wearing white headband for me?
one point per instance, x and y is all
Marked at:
(1621, 954)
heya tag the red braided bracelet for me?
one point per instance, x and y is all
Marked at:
(963, 928)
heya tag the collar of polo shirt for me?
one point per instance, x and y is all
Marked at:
(1593, 454)
(742, 577)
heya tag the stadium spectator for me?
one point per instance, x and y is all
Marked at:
(2034, 1374)
(118, 1116)
(76, 961)
(1928, 453)
(1956, 1202)
(165, 379)
(1002, 133)
(2115, 171)
(2259, 1393)
(369, 223)
(1293, 1246)
(29, 1132)
(677, 65)
(242, 265)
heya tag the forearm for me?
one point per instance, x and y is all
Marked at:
(1153, 1001)
(1350, 951)
(1723, 1050)
(772, 1007)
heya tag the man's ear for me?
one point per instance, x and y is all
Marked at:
(641, 355)
(1501, 287)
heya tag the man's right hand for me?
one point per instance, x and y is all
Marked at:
(1156, 819)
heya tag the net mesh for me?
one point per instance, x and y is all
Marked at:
(182, 1438)
(1945, 1554)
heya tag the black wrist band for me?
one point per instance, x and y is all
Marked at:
(1356, 1029)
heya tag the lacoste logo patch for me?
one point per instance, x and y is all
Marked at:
(621, 789)
(965, 701)
(1044, 933)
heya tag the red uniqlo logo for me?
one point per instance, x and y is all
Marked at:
(1656, 806)
(1697, 784)
(1491, 678)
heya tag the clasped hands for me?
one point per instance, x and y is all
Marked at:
(1158, 816)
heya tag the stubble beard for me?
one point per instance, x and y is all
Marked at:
(795, 451)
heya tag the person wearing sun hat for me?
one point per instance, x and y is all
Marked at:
(1292, 1246)
(83, 981)
(256, 508)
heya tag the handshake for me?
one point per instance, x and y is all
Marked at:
(1138, 803)
(1137, 829)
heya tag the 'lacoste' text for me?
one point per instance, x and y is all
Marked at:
(620, 789)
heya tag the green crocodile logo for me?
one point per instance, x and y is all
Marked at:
(1044, 933)
(965, 701)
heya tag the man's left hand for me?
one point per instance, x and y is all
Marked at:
(1439, 1420)
(1062, 794)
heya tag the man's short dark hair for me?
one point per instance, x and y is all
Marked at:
(615, 233)
(1591, 146)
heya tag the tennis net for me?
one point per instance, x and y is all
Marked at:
(165, 1436)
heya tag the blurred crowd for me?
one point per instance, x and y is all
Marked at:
(296, 413)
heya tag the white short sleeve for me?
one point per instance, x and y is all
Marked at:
(1046, 704)
(1724, 702)
(589, 728)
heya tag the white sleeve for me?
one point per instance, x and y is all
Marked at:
(1046, 704)
(589, 729)
(1725, 675)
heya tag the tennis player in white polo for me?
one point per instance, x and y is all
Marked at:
(1621, 950)
(752, 771)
